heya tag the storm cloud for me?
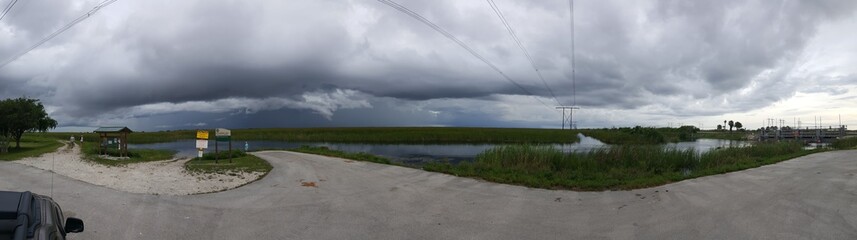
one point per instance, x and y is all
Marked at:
(344, 63)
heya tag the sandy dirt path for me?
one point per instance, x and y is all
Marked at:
(161, 177)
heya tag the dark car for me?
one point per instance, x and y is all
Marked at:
(25, 215)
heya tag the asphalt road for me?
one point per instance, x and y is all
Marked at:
(810, 197)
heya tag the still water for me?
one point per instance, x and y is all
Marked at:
(416, 154)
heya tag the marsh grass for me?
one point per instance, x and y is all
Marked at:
(393, 135)
(734, 135)
(618, 167)
(642, 135)
(31, 146)
(361, 156)
(91, 154)
(240, 162)
(844, 143)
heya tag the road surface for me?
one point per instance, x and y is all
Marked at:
(315, 197)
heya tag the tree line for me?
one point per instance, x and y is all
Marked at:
(19, 116)
(731, 124)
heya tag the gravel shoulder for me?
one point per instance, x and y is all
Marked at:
(161, 177)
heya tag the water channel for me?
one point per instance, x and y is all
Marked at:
(417, 154)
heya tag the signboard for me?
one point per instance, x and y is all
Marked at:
(222, 132)
(113, 141)
(200, 144)
(222, 135)
(202, 134)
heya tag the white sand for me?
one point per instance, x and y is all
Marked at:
(161, 177)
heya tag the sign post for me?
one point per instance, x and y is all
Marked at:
(201, 141)
(223, 135)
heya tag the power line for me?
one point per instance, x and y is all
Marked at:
(521, 46)
(7, 9)
(58, 32)
(573, 87)
(459, 42)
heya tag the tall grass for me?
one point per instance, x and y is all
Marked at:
(845, 143)
(31, 146)
(360, 156)
(393, 135)
(642, 135)
(619, 167)
(91, 153)
(240, 162)
(734, 135)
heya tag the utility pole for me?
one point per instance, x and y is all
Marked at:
(570, 115)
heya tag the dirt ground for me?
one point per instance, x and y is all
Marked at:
(161, 177)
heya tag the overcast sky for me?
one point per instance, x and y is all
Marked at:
(166, 64)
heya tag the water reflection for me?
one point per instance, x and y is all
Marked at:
(417, 154)
(706, 144)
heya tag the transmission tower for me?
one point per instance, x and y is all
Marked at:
(568, 118)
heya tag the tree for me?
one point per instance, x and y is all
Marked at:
(4, 130)
(738, 125)
(719, 127)
(731, 124)
(21, 115)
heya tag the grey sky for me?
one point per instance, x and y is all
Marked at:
(184, 64)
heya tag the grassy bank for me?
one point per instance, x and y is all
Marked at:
(90, 153)
(620, 167)
(844, 143)
(734, 135)
(340, 154)
(241, 162)
(403, 135)
(30, 147)
(642, 135)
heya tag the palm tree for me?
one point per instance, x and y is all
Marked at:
(731, 124)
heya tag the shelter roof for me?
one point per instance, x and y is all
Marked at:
(113, 129)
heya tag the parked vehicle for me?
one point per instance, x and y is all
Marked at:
(26, 215)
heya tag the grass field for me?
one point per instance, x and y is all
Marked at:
(845, 143)
(340, 154)
(641, 135)
(90, 153)
(734, 135)
(620, 167)
(404, 135)
(31, 146)
(241, 162)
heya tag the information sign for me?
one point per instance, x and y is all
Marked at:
(222, 132)
(201, 134)
(201, 144)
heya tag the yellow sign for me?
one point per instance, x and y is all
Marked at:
(202, 134)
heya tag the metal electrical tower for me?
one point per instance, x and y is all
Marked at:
(568, 118)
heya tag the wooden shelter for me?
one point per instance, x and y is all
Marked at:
(114, 136)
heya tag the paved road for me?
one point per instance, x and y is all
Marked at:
(809, 197)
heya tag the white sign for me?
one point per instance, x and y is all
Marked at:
(222, 132)
(201, 144)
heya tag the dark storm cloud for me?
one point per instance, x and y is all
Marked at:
(629, 54)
